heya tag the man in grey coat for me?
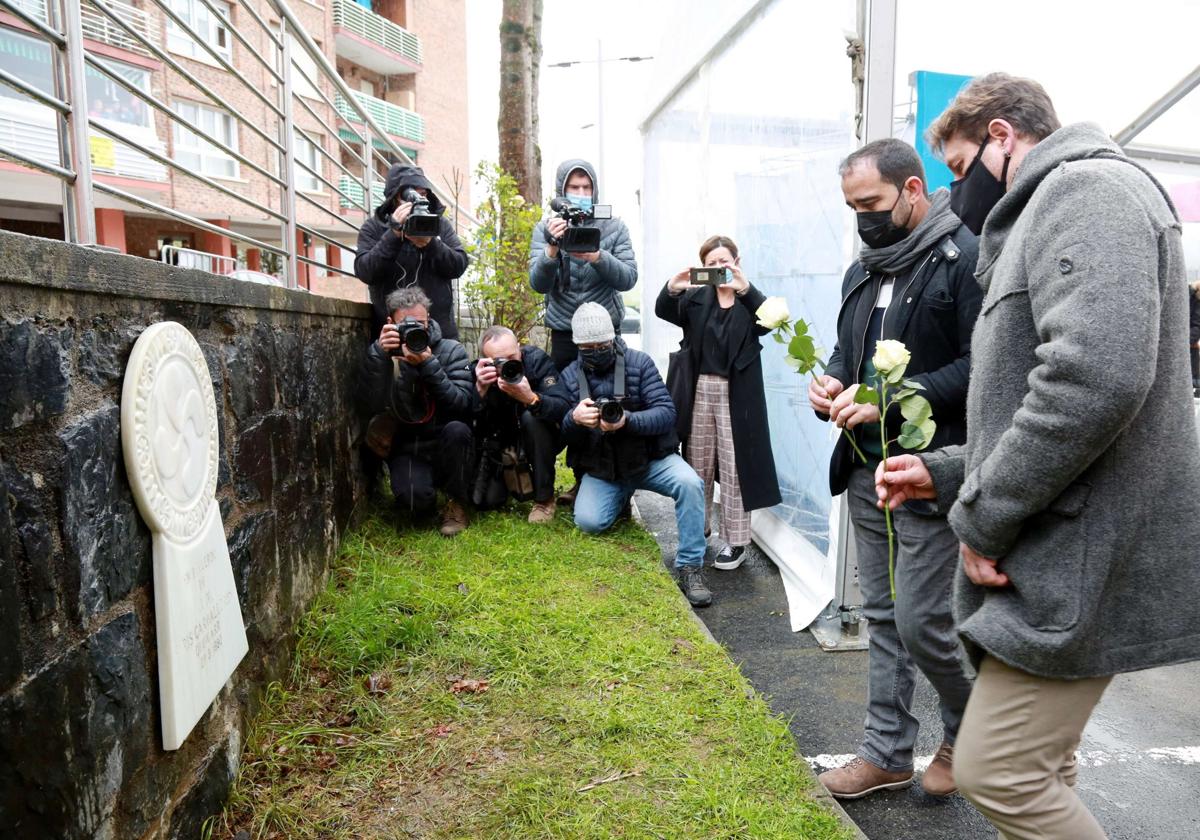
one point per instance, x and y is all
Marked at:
(1076, 497)
(570, 280)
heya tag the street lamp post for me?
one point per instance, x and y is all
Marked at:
(600, 62)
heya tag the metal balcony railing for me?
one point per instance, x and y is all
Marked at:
(281, 51)
(377, 29)
(395, 120)
(99, 28)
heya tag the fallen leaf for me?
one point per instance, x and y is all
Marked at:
(310, 739)
(681, 645)
(378, 684)
(470, 686)
(325, 760)
(345, 719)
(440, 731)
(343, 741)
(283, 749)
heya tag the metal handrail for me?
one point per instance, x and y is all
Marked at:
(118, 23)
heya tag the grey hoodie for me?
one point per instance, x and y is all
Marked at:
(602, 282)
(1081, 471)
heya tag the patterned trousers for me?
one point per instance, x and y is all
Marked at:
(711, 445)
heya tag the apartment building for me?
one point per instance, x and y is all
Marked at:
(403, 60)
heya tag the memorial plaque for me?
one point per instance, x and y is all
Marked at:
(169, 436)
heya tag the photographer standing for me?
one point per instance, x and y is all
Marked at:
(569, 280)
(420, 383)
(521, 405)
(621, 435)
(723, 368)
(390, 259)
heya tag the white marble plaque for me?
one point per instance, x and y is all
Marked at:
(169, 436)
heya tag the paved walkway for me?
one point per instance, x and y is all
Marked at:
(1140, 757)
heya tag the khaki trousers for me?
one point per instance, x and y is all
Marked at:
(1015, 754)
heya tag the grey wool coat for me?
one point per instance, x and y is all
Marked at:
(1081, 470)
(601, 282)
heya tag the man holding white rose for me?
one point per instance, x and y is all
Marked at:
(912, 289)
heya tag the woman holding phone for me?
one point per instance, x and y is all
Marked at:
(716, 382)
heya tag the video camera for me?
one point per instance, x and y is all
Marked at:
(421, 221)
(579, 237)
(413, 335)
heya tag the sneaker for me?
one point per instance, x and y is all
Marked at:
(860, 777)
(542, 512)
(939, 776)
(454, 519)
(730, 557)
(691, 581)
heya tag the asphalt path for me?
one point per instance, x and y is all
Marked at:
(1140, 756)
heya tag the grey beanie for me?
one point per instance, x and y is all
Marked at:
(592, 324)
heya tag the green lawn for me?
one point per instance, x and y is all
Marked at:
(476, 687)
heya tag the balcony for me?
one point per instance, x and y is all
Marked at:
(354, 188)
(373, 41)
(98, 27)
(399, 122)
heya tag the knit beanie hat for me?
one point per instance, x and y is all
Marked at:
(592, 324)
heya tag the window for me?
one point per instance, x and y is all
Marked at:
(108, 100)
(307, 154)
(194, 152)
(29, 60)
(196, 15)
(305, 62)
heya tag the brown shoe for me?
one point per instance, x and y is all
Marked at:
(454, 519)
(567, 497)
(939, 776)
(861, 777)
(542, 512)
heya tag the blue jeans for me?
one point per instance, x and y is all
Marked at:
(599, 503)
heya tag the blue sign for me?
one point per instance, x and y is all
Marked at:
(934, 92)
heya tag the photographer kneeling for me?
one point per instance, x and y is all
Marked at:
(521, 405)
(421, 385)
(719, 367)
(621, 435)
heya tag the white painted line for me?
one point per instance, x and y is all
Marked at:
(1183, 756)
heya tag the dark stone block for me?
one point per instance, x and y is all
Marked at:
(104, 348)
(207, 796)
(35, 377)
(103, 536)
(249, 359)
(289, 367)
(71, 736)
(10, 598)
(252, 555)
(252, 473)
(33, 547)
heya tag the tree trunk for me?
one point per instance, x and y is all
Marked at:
(520, 57)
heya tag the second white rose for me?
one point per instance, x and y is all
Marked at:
(773, 313)
(889, 355)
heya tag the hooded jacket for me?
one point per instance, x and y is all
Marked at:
(601, 282)
(426, 397)
(1081, 472)
(387, 261)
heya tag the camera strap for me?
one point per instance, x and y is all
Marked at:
(618, 380)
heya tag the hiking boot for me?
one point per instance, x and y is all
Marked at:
(860, 777)
(567, 497)
(730, 557)
(939, 776)
(454, 519)
(542, 512)
(691, 581)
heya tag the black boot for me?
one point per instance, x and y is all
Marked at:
(691, 581)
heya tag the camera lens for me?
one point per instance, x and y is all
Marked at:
(416, 339)
(512, 370)
(611, 411)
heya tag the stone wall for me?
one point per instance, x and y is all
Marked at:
(80, 746)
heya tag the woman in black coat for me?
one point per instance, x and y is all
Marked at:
(721, 404)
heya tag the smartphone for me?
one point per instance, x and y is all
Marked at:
(715, 276)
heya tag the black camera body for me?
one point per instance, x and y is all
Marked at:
(580, 237)
(421, 221)
(511, 371)
(714, 276)
(611, 410)
(413, 335)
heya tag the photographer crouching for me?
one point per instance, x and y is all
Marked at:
(521, 405)
(621, 435)
(420, 390)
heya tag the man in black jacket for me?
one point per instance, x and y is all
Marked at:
(421, 383)
(914, 282)
(388, 259)
(521, 405)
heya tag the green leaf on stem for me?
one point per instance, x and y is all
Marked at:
(912, 436)
(778, 336)
(866, 395)
(915, 408)
(914, 384)
(802, 347)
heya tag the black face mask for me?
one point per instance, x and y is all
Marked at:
(599, 359)
(877, 228)
(974, 195)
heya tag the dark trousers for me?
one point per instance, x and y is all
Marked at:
(1195, 367)
(562, 349)
(541, 441)
(420, 467)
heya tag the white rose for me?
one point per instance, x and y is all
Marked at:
(890, 355)
(773, 313)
